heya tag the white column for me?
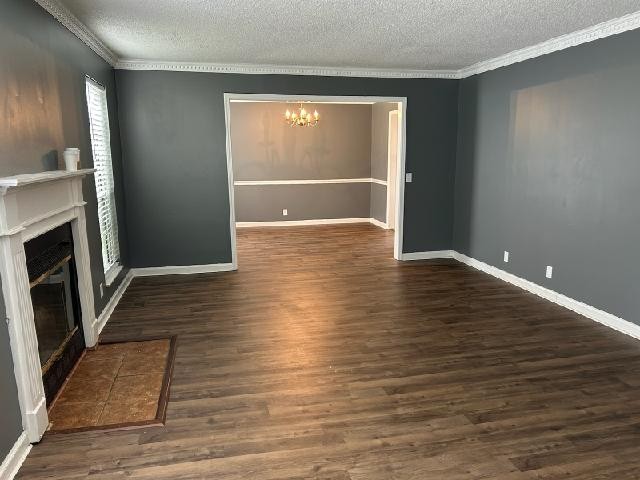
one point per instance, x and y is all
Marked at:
(83, 269)
(22, 334)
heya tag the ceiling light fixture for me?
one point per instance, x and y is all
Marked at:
(302, 118)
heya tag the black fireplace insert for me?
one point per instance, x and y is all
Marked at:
(56, 305)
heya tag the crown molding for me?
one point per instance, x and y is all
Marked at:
(601, 30)
(79, 29)
(596, 32)
(282, 70)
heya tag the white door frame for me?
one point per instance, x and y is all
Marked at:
(391, 174)
(400, 170)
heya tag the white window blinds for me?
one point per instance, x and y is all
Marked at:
(101, 147)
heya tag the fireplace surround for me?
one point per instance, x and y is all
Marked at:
(30, 206)
(56, 305)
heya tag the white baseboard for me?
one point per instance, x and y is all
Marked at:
(36, 420)
(15, 458)
(320, 221)
(295, 223)
(593, 313)
(427, 255)
(101, 321)
(183, 269)
(378, 223)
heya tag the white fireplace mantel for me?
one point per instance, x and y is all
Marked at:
(31, 178)
(31, 205)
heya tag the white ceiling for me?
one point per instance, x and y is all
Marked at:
(369, 34)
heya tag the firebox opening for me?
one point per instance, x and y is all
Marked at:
(56, 306)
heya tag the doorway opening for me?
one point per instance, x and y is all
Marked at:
(284, 175)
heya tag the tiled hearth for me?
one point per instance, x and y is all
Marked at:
(116, 385)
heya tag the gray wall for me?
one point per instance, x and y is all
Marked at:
(173, 139)
(378, 202)
(548, 169)
(264, 203)
(11, 419)
(42, 73)
(266, 148)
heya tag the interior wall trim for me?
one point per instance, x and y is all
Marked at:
(379, 182)
(15, 458)
(378, 223)
(297, 223)
(102, 320)
(79, 29)
(182, 269)
(398, 231)
(589, 34)
(205, 67)
(427, 255)
(605, 318)
(308, 182)
(593, 313)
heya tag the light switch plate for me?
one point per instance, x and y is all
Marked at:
(409, 177)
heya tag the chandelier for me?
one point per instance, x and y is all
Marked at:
(301, 118)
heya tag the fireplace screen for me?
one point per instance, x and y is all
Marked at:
(54, 295)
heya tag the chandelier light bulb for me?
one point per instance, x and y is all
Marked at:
(301, 118)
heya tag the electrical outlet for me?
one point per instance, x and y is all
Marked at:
(506, 257)
(409, 177)
(284, 212)
(549, 271)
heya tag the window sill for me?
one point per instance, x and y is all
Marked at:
(111, 274)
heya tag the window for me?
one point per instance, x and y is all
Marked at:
(101, 147)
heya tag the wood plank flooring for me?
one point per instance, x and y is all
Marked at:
(324, 358)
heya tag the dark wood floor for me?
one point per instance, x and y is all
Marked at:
(323, 358)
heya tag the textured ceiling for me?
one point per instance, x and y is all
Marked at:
(382, 34)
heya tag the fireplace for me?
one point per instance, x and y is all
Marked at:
(56, 307)
(46, 285)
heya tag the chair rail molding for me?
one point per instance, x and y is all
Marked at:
(318, 181)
